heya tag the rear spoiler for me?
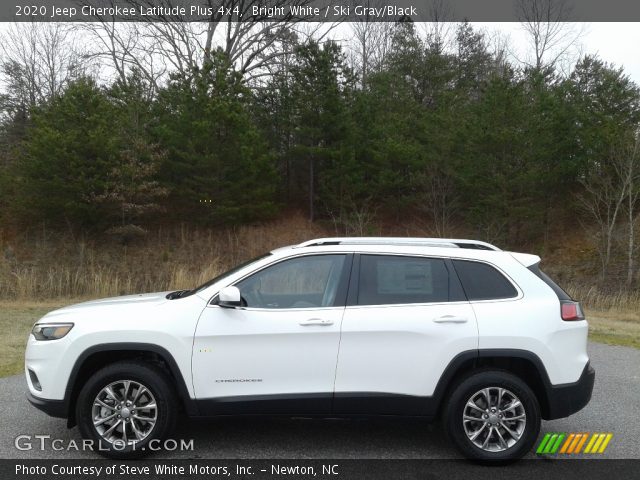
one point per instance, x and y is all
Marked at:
(526, 259)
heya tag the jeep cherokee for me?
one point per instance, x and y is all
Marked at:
(434, 328)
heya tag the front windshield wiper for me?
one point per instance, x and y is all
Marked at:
(178, 294)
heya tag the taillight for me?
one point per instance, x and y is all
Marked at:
(571, 311)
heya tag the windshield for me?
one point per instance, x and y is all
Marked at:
(229, 273)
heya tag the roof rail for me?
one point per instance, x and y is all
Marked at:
(407, 241)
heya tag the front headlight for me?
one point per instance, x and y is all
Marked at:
(51, 331)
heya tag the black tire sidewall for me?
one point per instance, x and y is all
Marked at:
(148, 375)
(463, 391)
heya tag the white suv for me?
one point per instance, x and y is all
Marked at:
(456, 329)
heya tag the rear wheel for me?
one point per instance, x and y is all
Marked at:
(493, 416)
(125, 406)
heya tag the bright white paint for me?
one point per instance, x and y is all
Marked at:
(400, 349)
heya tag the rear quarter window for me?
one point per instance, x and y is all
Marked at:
(481, 281)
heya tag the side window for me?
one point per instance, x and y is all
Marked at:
(389, 279)
(303, 282)
(483, 282)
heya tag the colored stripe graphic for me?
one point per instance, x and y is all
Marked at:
(567, 443)
(582, 440)
(607, 439)
(543, 443)
(573, 443)
(591, 443)
(558, 442)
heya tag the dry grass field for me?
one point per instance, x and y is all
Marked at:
(40, 272)
(615, 327)
(16, 320)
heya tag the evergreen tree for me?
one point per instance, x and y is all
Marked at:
(218, 166)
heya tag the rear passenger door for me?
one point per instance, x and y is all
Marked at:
(406, 319)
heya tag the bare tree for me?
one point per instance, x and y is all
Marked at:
(608, 189)
(628, 168)
(370, 43)
(554, 39)
(124, 47)
(437, 200)
(38, 60)
(179, 44)
(355, 218)
(439, 33)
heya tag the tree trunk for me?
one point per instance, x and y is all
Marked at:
(631, 236)
(311, 181)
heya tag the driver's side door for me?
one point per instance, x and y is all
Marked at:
(278, 352)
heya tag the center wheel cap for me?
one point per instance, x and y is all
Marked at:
(125, 412)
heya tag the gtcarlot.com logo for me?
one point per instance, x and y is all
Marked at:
(46, 442)
(574, 443)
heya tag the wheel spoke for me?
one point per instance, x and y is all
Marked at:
(104, 419)
(110, 392)
(136, 432)
(503, 444)
(517, 417)
(514, 404)
(125, 393)
(144, 419)
(473, 405)
(513, 434)
(486, 440)
(478, 432)
(487, 395)
(112, 428)
(103, 404)
(140, 391)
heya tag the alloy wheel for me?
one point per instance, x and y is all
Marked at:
(124, 412)
(494, 419)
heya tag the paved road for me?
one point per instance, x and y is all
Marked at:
(615, 407)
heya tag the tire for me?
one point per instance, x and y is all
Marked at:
(102, 401)
(492, 438)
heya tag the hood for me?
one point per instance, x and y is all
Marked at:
(142, 300)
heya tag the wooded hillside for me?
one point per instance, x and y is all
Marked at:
(400, 125)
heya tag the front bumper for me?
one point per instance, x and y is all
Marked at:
(567, 399)
(53, 408)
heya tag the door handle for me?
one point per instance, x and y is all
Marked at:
(316, 321)
(450, 319)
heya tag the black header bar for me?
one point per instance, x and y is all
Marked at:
(318, 10)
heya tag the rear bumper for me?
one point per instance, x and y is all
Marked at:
(53, 408)
(567, 399)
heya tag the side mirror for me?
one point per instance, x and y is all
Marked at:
(229, 297)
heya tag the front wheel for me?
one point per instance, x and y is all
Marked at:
(124, 407)
(493, 416)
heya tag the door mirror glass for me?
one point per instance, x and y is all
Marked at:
(229, 297)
